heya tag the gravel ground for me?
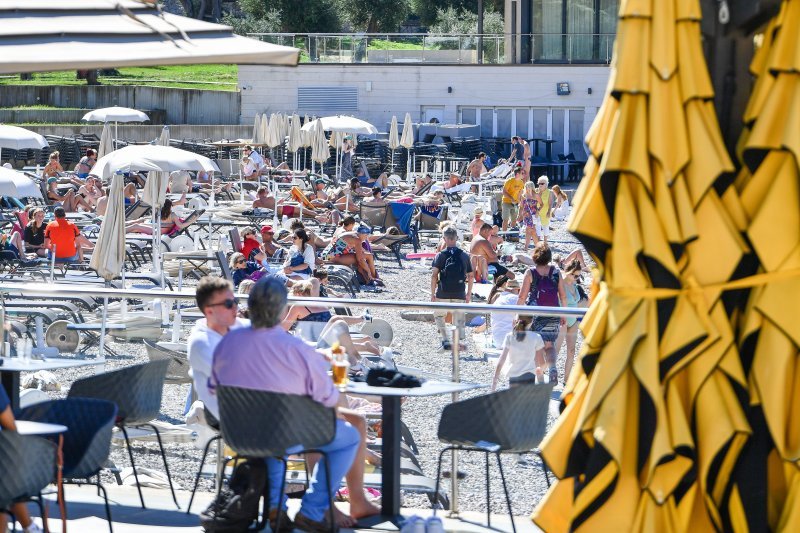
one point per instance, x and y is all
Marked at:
(415, 344)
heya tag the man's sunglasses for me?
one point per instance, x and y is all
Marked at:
(230, 303)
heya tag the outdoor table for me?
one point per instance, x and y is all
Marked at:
(94, 339)
(12, 367)
(42, 429)
(390, 421)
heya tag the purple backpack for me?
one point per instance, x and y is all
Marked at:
(544, 289)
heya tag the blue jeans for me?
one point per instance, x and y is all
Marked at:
(341, 452)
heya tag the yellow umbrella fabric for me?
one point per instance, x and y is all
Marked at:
(653, 424)
(770, 191)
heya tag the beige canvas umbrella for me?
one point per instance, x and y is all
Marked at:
(255, 139)
(106, 142)
(407, 142)
(394, 139)
(319, 147)
(108, 257)
(263, 131)
(154, 194)
(47, 35)
(295, 139)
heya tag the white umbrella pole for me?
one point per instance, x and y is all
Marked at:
(116, 134)
(123, 303)
(103, 328)
(392, 164)
(176, 327)
(211, 200)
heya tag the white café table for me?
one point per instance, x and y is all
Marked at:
(11, 368)
(390, 446)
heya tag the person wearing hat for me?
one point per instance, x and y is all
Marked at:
(547, 203)
(477, 221)
(576, 297)
(320, 197)
(69, 200)
(270, 248)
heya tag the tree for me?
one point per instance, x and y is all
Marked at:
(458, 21)
(291, 16)
(374, 16)
(428, 11)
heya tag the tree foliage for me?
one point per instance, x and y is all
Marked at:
(459, 21)
(428, 11)
(291, 16)
(374, 16)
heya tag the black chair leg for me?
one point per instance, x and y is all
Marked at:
(166, 466)
(505, 490)
(133, 465)
(438, 478)
(488, 497)
(108, 507)
(200, 470)
(544, 468)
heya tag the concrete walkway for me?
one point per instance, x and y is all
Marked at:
(87, 514)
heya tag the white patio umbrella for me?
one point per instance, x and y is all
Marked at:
(295, 139)
(263, 131)
(394, 139)
(116, 115)
(108, 257)
(17, 138)
(407, 142)
(346, 124)
(136, 158)
(319, 145)
(17, 185)
(307, 138)
(256, 129)
(155, 191)
(106, 142)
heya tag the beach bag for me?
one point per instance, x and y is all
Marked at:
(298, 259)
(453, 275)
(544, 289)
(236, 507)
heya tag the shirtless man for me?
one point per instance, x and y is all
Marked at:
(269, 246)
(376, 200)
(483, 253)
(477, 168)
(264, 200)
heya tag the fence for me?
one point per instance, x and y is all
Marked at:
(553, 48)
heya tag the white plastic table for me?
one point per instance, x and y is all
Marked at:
(12, 367)
(28, 427)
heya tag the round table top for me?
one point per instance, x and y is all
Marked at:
(27, 427)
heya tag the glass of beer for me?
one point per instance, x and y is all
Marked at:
(340, 368)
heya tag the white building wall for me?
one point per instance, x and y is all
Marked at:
(386, 90)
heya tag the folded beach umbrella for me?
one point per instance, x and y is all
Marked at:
(770, 189)
(407, 139)
(653, 420)
(256, 129)
(263, 132)
(319, 147)
(295, 134)
(394, 138)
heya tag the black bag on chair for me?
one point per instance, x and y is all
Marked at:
(236, 507)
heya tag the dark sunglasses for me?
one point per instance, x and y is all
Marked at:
(229, 303)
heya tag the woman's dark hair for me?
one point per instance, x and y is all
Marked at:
(499, 282)
(393, 230)
(542, 255)
(349, 220)
(295, 224)
(354, 183)
(320, 274)
(303, 236)
(521, 327)
(166, 211)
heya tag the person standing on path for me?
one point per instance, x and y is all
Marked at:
(547, 202)
(512, 190)
(451, 281)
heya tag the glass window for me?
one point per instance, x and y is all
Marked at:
(580, 25)
(540, 123)
(576, 143)
(559, 115)
(566, 30)
(468, 115)
(504, 123)
(548, 29)
(521, 127)
(487, 122)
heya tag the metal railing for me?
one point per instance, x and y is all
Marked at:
(45, 289)
(466, 48)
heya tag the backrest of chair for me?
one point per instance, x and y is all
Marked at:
(27, 465)
(87, 443)
(224, 266)
(236, 240)
(373, 215)
(515, 418)
(135, 389)
(262, 424)
(178, 369)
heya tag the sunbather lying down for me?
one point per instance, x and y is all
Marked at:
(317, 324)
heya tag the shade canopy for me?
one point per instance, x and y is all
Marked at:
(46, 35)
(343, 124)
(17, 138)
(148, 157)
(17, 185)
(115, 114)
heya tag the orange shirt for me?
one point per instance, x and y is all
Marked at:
(62, 233)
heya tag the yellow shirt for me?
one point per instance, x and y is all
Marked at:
(512, 189)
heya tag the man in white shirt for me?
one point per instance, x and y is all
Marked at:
(255, 158)
(217, 303)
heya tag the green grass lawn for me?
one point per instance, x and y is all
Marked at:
(209, 77)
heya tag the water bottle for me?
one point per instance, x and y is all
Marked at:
(285, 222)
(367, 316)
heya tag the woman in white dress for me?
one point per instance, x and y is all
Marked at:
(561, 211)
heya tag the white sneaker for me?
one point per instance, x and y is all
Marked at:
(434, 525)
(33, 528)
(387, 354)
(413, 524)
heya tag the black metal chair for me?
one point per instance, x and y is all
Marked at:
(259, 424)
(508, 421)
(27, 465)
(87, 443)
(136, 390)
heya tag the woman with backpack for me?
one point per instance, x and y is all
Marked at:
(543, 286)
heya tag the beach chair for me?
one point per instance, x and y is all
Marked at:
(136, 210)
(393, 243)
(374, 215)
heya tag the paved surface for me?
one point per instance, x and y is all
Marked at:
(87, 515)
